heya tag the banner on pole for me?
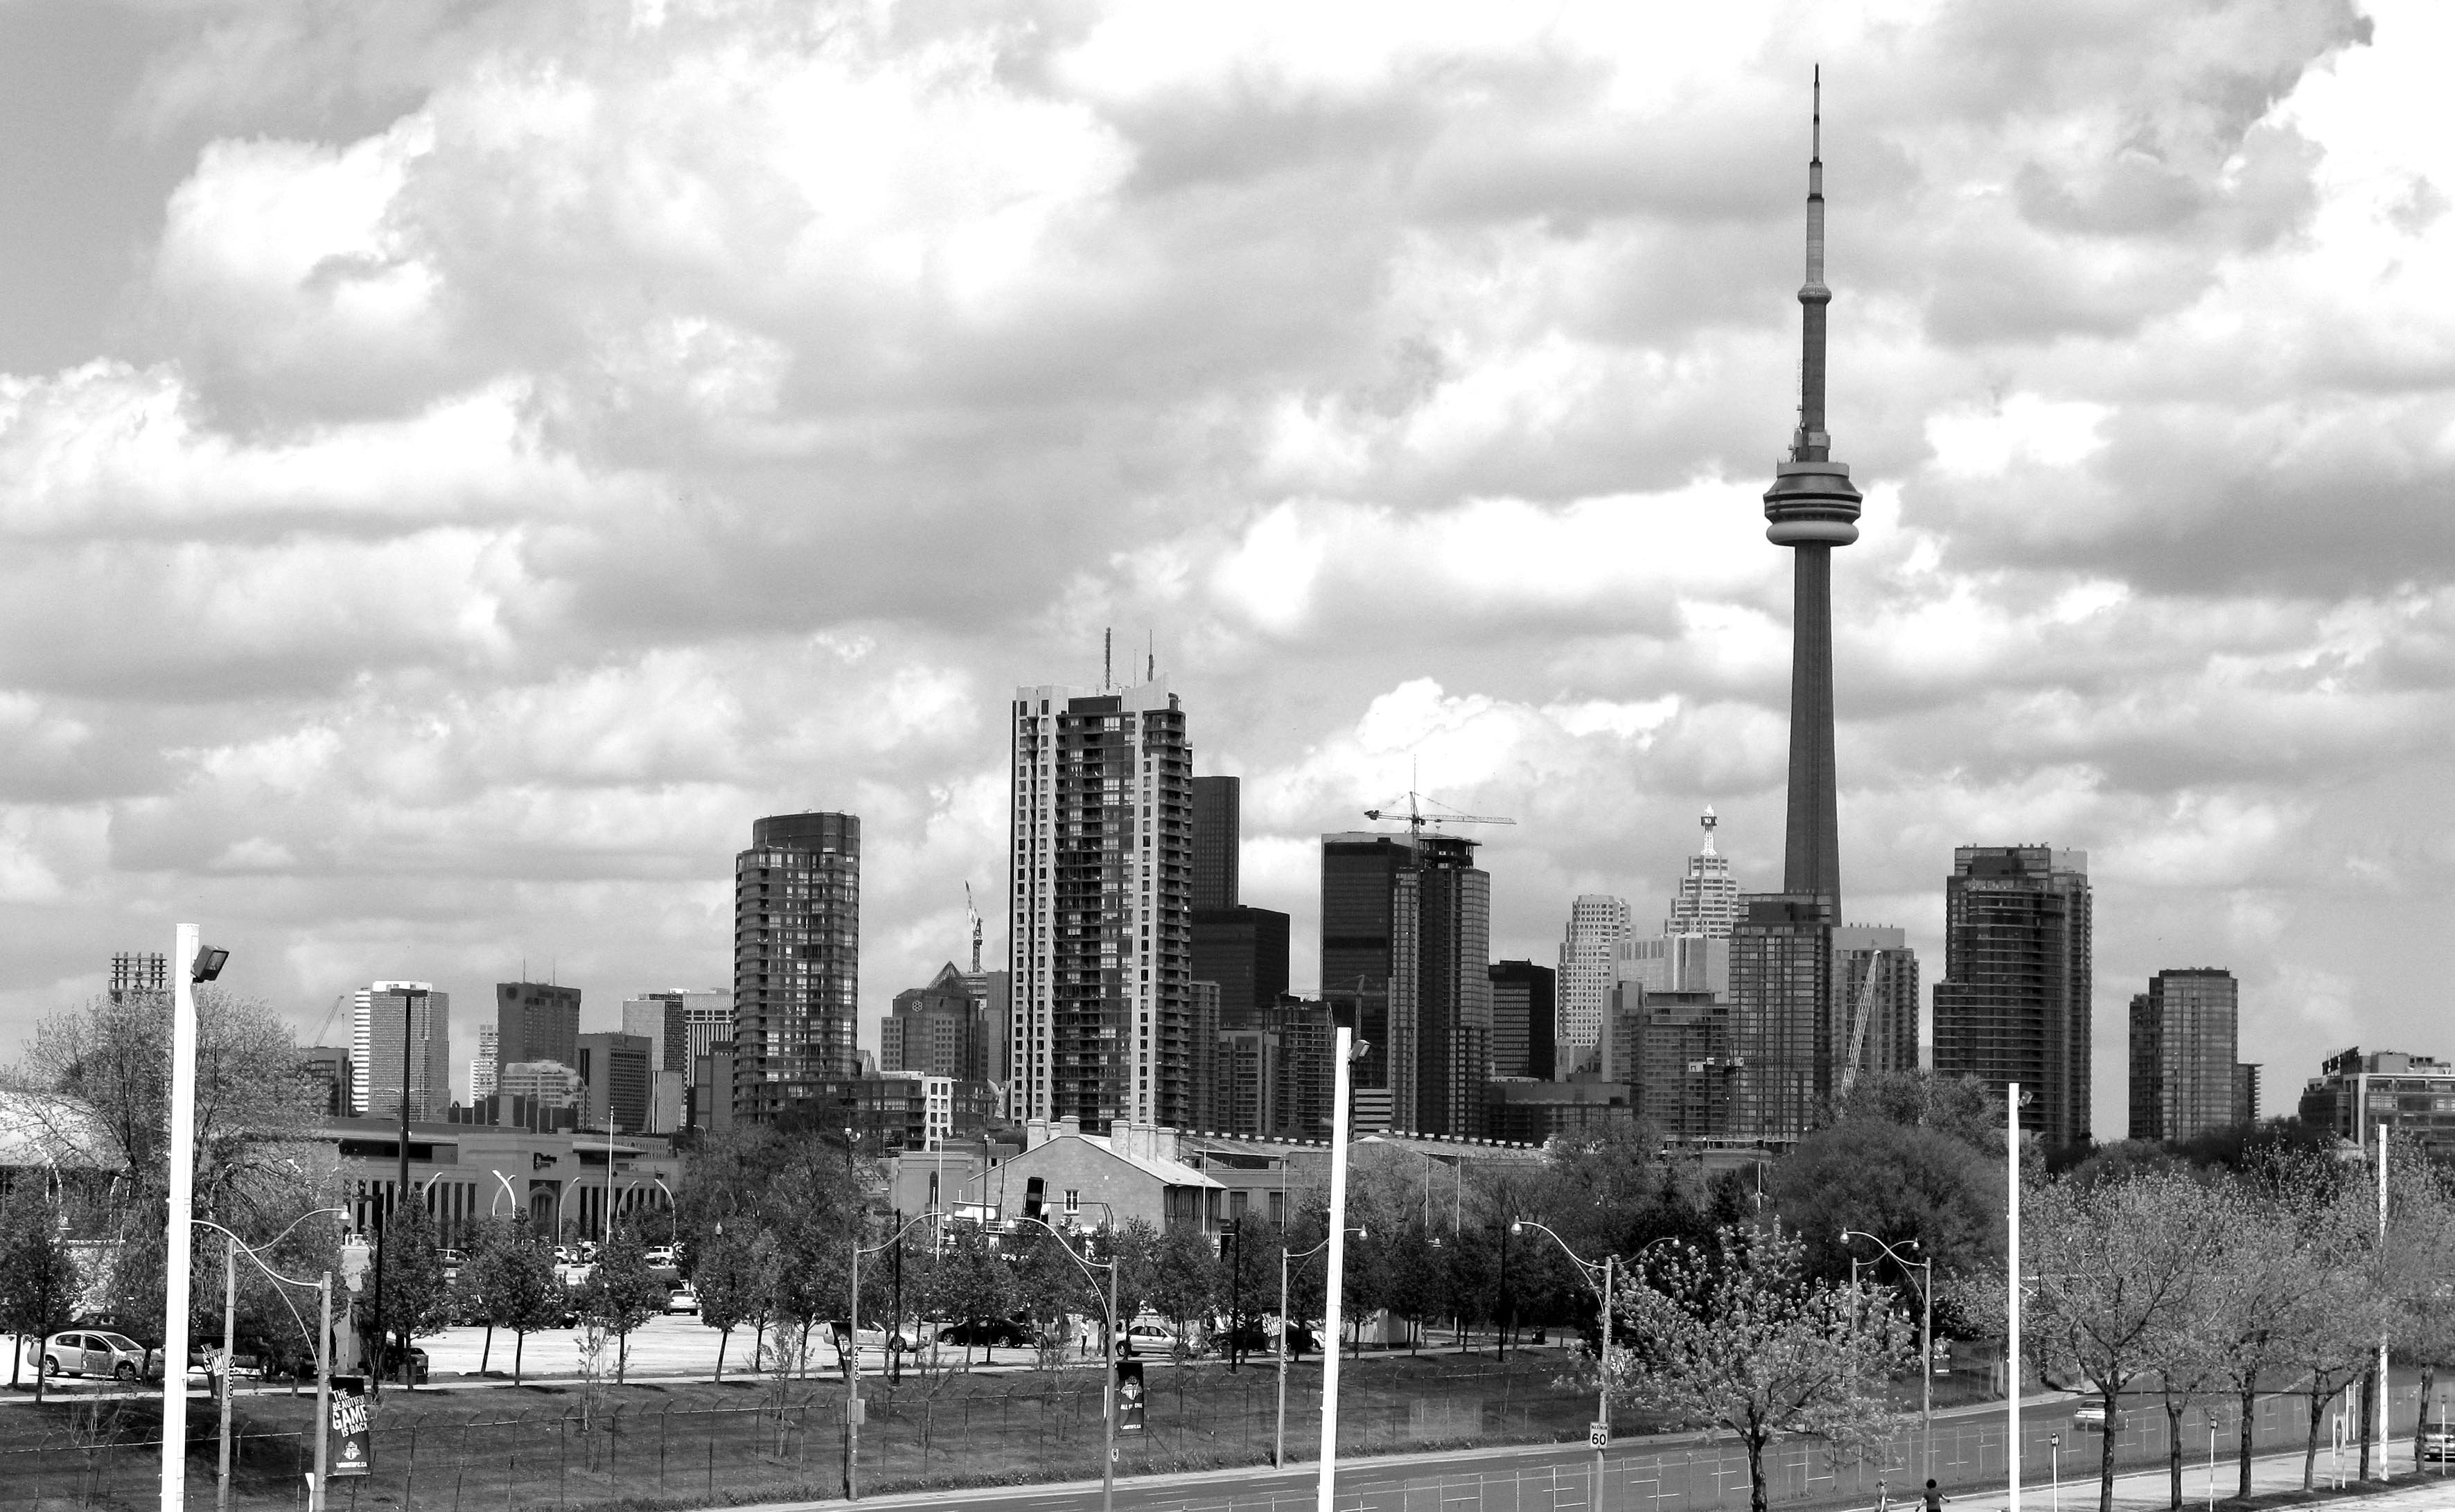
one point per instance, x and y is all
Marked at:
(350, 1452)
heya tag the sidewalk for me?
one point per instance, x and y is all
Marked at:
(2152, 1490)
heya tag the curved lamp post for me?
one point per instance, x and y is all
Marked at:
(1279, 1441)
(1108, 1367)
(1926, 1342)
(507, 1191)
(852, 1359)
(672, 1215)
(230, 1323)
(1599, 1278)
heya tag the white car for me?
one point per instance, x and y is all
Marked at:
(682, 1299)
(95, 1352)
(1150, 1337)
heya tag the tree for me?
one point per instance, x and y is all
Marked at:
(731, 1271)
(97, 1081)
(524, 1292)
(2120, 1267)
(2250, 1286)
(1185, 1283)
(490, 1241)
(1900, 1181)
(620, 1294)
(39, 1285)
(1959, 1107)
(1746, 1340)
(2340, 1305)
(2422, 1225)
(415, 1300)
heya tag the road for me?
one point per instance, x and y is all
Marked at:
(1695, 1472)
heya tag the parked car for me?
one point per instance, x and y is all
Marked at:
(906, 1338)
(417, 1362)
(2438, 1443)
(994, 1333)
(1149, 1339)
(2092, 1415)
(682, 1299)
(96, 1352)
(453, 1260)
(1260, 1336)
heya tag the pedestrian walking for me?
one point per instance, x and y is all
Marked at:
(1935, 1499)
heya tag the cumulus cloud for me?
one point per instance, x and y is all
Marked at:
(537, 439)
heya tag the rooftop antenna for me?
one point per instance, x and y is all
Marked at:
(1151, 664)
(1108, 658)
(1812, 442)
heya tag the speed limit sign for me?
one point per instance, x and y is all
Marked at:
(1598, 1436)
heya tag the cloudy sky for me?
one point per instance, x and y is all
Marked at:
(459, 462)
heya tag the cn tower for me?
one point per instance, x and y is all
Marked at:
(1811, 508)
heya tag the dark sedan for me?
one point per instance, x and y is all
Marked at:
(991, 1333)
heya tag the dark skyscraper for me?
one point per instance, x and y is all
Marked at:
(2013, 1001)
(796, 958)
(1244, 951)
(1359, 877)
(537, 1021)
(1523, 1011)
(1218, 834)
(1811, 508)
(1405, 932)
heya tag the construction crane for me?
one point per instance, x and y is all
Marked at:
(1416, 819)
(1860, 1019)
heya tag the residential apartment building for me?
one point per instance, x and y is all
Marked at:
(796, 960)
(1100, 943)
(2013, 1004)
(2185, 1071)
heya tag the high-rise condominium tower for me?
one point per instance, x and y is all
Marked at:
(1589, 966)
(796, 959)
(1099, 934)
(1811, 508)
(377, 1043)
(481, 1066)
(2184, 1038)
(2014, 1002)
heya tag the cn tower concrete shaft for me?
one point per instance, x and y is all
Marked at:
(1811, 508)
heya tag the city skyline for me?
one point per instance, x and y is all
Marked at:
(1430, 441)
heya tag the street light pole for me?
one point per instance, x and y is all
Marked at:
(316, 1498)
(1927, 1338)
(1107, 1365)
(1344, 1049)
(183, 1196)
(2011, 1297)
(1601, 1277)
(1279, 1440)
(229, 1342)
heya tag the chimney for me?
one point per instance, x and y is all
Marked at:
(1070, 1124)
(1035, 1134)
